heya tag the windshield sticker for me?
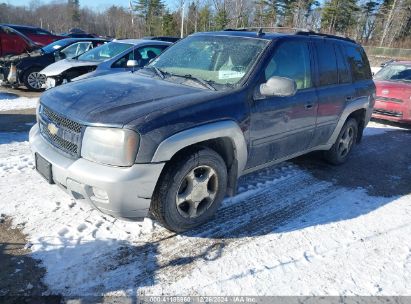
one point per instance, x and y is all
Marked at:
(56, 46)
(230, 74)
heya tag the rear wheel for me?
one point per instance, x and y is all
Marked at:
(190, 190)
(33, 80)
(342, 148)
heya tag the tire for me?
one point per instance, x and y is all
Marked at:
(341, 150)
(179, 206)
(33, 80)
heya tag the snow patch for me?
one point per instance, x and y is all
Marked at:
(285, 229)
(19, 103)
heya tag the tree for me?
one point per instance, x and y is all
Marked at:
(151, 12)
(74, 7)
(222, 17)
(204, 18)
(338, 15)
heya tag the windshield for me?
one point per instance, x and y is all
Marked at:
(221, 60)
(104, 52)
(56, 45)
(394, 72)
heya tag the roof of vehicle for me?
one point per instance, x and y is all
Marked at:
(141, 41)
(83, 39)
(18, 26)
(275, 32)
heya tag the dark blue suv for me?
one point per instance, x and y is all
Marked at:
(173, 138)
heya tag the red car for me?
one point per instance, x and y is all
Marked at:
(38, 35)
(393, 101)
(13, 42)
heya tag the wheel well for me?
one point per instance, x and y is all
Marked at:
(225, 148)
(359, 116)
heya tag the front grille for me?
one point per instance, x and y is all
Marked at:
(67, 133)
(389, 99)
(387, 113)
(62, 121)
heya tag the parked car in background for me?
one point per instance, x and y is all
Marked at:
(162, 38)
(24, 69)
(78, 33)
(12, 42)
(393, 100)
(37, 34)
(106, 59)
(173, 138)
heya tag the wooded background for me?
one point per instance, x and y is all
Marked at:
(384, 23)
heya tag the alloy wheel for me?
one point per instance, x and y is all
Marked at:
(36, 80)
(197, 191)
(346, 142)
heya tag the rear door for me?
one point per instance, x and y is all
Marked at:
(364, 87)
(283, 126)
(334, 88)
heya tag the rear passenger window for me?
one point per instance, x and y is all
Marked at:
(327, 63)
(343, 71)
(292, 60)
(358, 63)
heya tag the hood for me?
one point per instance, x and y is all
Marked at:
(393, 89)
(63, 65)
(16, 58)
(117, 99)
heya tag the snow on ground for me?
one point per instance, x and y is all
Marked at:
(12, 102)
(285, 233)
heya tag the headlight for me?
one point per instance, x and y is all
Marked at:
(110, 146)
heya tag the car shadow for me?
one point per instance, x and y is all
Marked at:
(8, 95)
(12, 137)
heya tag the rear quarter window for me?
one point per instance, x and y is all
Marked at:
(358, 63)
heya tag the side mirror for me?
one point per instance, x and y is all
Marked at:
(132, 63)
(278, 86)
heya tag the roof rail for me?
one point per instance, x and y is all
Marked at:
(312, 33)
(296, 31)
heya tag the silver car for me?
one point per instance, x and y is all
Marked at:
(106, 59)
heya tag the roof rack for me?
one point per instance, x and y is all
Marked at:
(296, 31)
(312, 33)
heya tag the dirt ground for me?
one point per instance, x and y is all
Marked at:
(20, 275)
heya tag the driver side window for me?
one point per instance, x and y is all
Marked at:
(76, 49)
(291, 60)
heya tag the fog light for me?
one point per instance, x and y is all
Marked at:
(100, 194)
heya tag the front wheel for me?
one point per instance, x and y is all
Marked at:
(190, 190)
(33, 80)
(342, 147)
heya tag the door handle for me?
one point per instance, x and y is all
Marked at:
(308, 106)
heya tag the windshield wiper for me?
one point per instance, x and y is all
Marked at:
(159, 72)
(205, 83)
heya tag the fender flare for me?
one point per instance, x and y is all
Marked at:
(363, 103)
(227, 128)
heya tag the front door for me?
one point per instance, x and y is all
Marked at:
(284, 126)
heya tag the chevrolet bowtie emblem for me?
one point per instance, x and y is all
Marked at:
(52, 128)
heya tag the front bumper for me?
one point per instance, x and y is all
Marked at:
(128, 190)
(396, 112)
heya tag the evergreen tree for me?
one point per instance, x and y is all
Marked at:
(339, 15)
(151, 12)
